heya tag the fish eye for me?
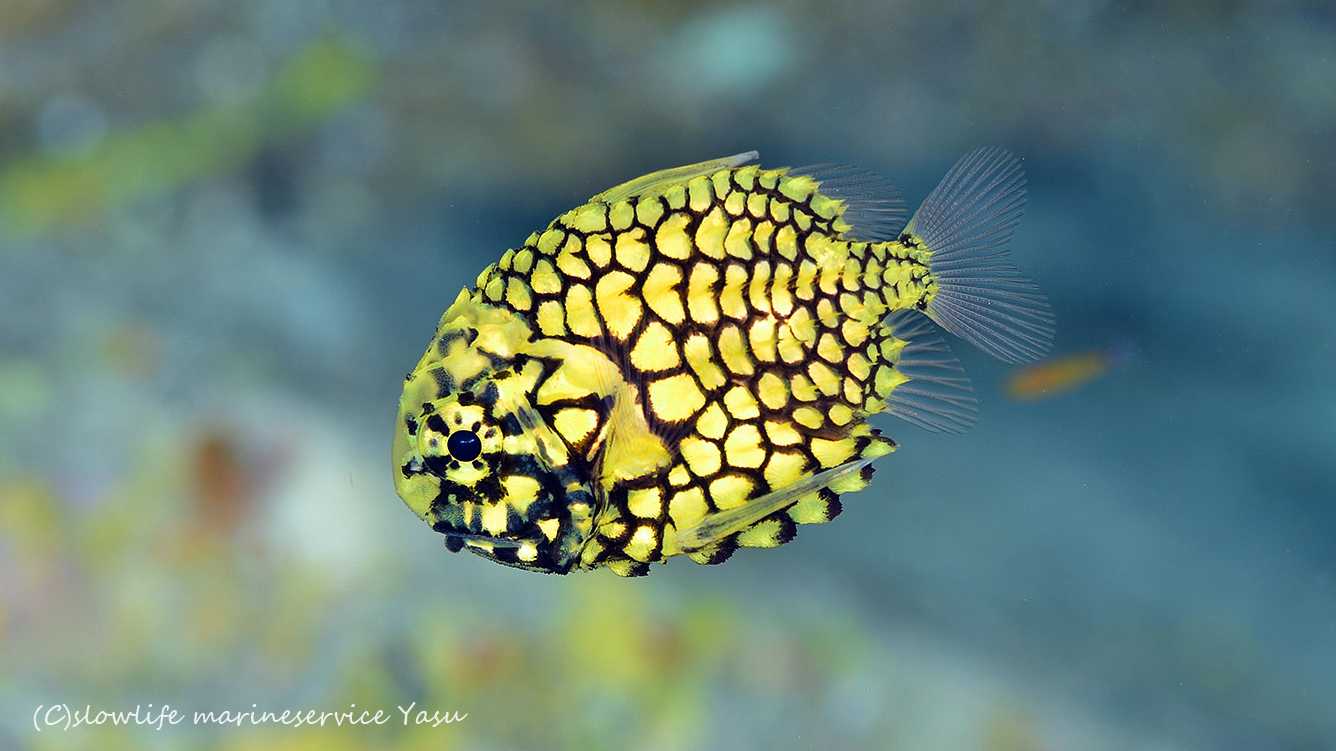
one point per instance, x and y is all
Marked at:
(464, 445)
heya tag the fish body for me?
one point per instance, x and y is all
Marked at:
(685, 364)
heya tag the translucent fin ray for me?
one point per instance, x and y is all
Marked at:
(714, 528)
(645, 183)
(872, 206)
(937, 397)
(965, 223)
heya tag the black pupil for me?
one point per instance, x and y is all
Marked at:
(464, 445)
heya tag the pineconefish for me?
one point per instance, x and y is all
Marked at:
(686, 363)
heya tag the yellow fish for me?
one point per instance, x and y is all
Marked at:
(1062, 374)
(686, 363)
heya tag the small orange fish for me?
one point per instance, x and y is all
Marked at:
(1059, 375)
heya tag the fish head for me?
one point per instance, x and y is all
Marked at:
(481, 465)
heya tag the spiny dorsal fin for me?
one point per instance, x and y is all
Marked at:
(646, 183)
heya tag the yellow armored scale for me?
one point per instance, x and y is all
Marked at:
(686, 363)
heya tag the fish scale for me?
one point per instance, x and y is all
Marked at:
(651, 240)
(683, 365)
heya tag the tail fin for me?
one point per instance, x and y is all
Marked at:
(982, 298)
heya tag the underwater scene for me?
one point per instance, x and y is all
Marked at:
(1034, 451)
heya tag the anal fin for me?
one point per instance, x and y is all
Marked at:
(931, 389)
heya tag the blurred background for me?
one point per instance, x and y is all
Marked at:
(228, 229)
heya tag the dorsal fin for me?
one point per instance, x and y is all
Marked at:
(645, 183)
(872, 206)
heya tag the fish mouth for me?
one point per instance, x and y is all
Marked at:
(532, 554)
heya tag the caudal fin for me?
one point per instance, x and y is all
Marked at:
(981, 297)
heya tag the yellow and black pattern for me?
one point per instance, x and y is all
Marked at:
(683, 365)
